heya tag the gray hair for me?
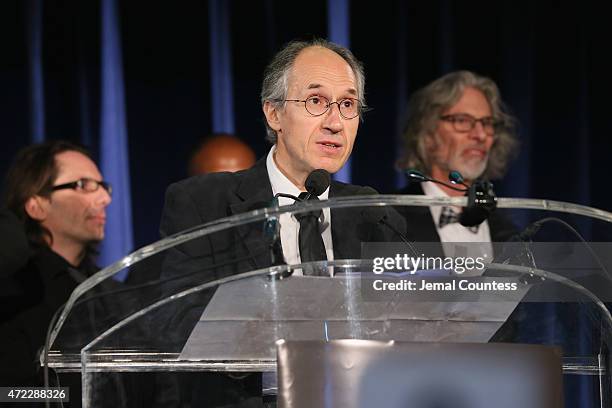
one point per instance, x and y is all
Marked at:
(276, 75)
(424, 111)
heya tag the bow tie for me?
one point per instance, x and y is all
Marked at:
(450, 216)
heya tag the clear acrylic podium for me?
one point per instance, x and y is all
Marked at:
(195, 308)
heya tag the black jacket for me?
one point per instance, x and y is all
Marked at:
(203, 199)
(36, 293)
(14, 248)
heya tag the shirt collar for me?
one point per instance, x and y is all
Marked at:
(281, 184)
(431, 189)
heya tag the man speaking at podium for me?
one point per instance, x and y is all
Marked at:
(312, 99)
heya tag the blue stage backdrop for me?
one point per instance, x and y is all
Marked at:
(37, 88)
(221, 83)
(114, 154)
(338, 31)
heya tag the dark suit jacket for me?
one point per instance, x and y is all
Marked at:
(14, 248)
(203, 199)
(40, 288)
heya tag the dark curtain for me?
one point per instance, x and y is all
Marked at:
(548, 59)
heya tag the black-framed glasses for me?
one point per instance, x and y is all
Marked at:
(85, 184)
(463, 122)
(317, 105)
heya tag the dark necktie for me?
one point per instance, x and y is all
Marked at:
(310, 239)
(450, 216)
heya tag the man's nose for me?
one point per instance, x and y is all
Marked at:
(333, 119)
(104, 198)
(478, 132)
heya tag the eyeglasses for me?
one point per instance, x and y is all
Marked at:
(85, 184)
(465, 123)
(317, 105)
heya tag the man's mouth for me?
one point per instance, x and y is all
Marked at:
(98, 218)
(332, 145)
(475, 152)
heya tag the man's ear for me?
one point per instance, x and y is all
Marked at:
(271, 112)
(37, 208)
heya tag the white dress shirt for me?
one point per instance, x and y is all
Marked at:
(456, 232)
(289, 225)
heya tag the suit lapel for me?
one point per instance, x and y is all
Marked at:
(253, 192)
(420, 224)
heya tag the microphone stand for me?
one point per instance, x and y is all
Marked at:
(482, 200)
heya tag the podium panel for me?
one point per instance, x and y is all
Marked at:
(362, 373)
(200, 317)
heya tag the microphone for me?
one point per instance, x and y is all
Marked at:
(418, 177)
(529, 232)
(481, 196)
(456, 178)
(316, 183)
(532, 229)
(482, 201)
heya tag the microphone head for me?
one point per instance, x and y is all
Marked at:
(317, 182)
(455, 177)
(481, 203)
(415, 176)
